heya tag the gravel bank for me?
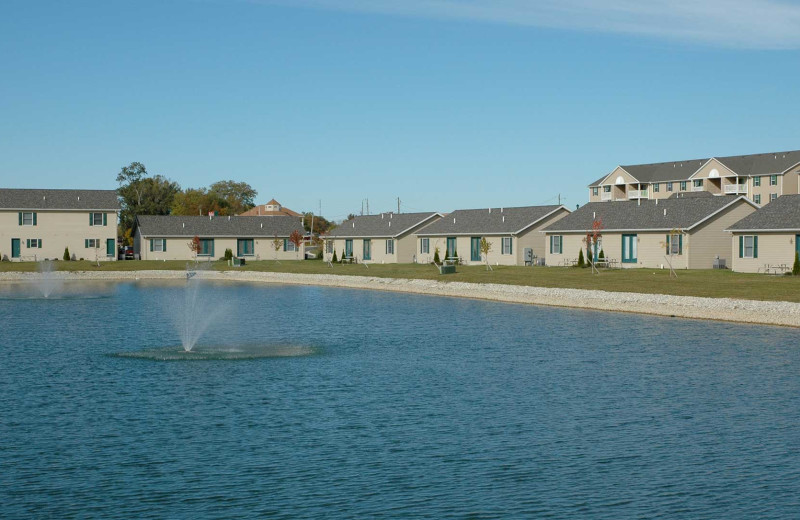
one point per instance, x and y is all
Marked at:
(723, 309)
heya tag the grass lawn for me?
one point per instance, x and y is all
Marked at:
(712, 283)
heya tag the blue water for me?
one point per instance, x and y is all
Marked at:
(407, 407)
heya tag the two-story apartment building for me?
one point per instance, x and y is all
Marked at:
(167, 237)
(38, 224)
(387, 238)
(760, 177)
(509, 231)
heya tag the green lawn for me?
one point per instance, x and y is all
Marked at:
(711, 283)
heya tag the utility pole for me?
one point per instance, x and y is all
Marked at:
(367, 206)
(398, 204)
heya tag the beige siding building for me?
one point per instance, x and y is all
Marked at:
(510, 232)
(168, 237)
(686, 232)
(387, 238)
(767, 240)
(760, 177)
(40, 224)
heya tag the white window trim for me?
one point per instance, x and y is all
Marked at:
(752, 246)
(30, 214)
(425, 246)
(506, 250)
(390, 246)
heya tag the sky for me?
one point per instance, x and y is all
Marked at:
(444, 104)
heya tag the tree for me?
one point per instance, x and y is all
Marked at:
(321, 224)
(234, 197)
(194, 247)
(436, 259)
(580, 258)
(296, 238)
(192, 201)
(593, 241)
(277, 244)
(66, 254)
(334, 259)
(796, 265)
(486, 248)
(143, 195)
(601, 256)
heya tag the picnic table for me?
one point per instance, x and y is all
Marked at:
(347, 260)
(776, 268)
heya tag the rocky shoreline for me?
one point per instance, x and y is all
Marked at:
(721, 309)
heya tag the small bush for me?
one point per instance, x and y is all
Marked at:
(436, 256)
(601, 255)
(74, 258)
(5, 258)
(581, 262)
(796, 265)
(455, 255)
(66, 254)
(334, 259)
(228, 255)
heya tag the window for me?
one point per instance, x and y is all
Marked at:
(683, 185)
(390, 247)
(656, 187)
(451, 247)
(773, 180)
(757, 181)
(206, 247)
(555, 244)
(97, 219)
(158, 245)
(669, 186)
(506, 245)
(475, 249)
(329, 246)
(425, 245)
(34, 243)
(757, 199)
(245, 247)
(607, 189)
(773, 196)
(748, 246)
(27, 218)
(675, 244)
(366, 252)
(698, 183)
(629, 247)
(288, 246)
(91, 243)
(348, 248)
(595, 191)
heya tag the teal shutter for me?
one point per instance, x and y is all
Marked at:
(164, 246)
(20, 218)
(86, 243)
(285, 244)
(34, 219)
(151, 244)
(105, 219)
(680, 244)
(755, 246)
(667, 245)
(551, 244)
(28, 243)
(40, 243)
(741, 246)
(91, 219)
(511, 245)
(212, 247)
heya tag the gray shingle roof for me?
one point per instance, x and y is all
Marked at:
(754, 164)
(681, 213)
(782, 213)
(189, 226)
(382, 225)
(488, 221)
(58, 199)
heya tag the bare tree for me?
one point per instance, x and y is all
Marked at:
(486, 248)
(277, 244)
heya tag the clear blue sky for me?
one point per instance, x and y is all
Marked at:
(446, 105)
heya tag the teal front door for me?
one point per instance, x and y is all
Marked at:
(629, 249)
(110, 245)
(348, 248)
(451, 247)
(367, 249)
(14, 248)
(475, 249)
(796, 245)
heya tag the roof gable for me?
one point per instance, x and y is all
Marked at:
(782, 213)
(381, 225)
(489, 221)
(189, 226)
(45, 199)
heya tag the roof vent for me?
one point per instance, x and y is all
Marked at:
(183, 225)
(44, 197)
(665, 212)
(504, 218)
(391, 214)
(229, 218)
(594, 215)
(490, 210)
(390, 224)
(454, 220)
(381, 216)
(262, 225)
(656, 202)
(79, 197)
(501, 210)
(354, 224)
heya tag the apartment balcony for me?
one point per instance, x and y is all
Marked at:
(735, 189)
(605, 195)
(637, 194)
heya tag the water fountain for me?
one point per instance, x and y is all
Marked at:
(47, 282)
(195, 311)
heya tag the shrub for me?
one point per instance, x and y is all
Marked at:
(580, 258)
(796, 265)
(74, 258)
(66, 254)
(588, 255)
(436, 256)
(334, 259)
(5, 258)
(601, 255)
(228, 254)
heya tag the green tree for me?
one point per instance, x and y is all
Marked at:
(66, 254)
(486, 248)
(321, 224)
(796, 265)
(580, 258)
(334, 259)
(143, 195)
(436, 256)
(234, 197)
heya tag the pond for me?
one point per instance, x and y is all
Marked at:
(357, 404)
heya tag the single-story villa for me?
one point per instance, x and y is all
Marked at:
(509, 231)
(684, 231)
(768, 237)
(169, 237)
(387, 238)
